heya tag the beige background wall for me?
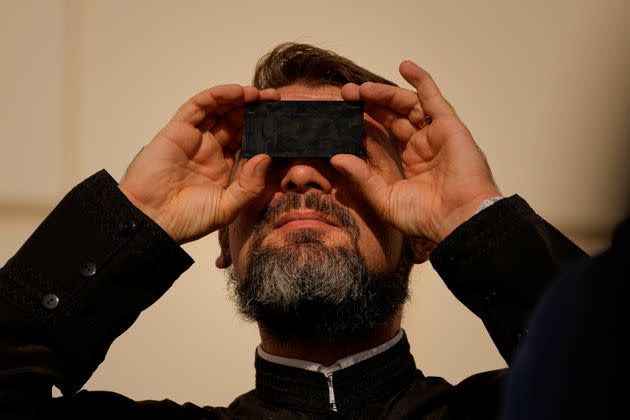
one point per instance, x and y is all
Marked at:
(542, 85)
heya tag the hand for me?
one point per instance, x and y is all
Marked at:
(446, 176)
(181, 179)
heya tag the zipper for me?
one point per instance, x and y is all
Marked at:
(331, 391)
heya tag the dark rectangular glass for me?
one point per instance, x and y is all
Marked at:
(313, 129)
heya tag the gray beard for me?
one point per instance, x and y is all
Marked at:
(305, 288)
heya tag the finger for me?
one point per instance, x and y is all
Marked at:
(230, 134)
(235, 145)
(232, 121)
(379, 106)
(402, 128)
(228, 128)
(350, 92)
(225, 131)
(429, 94)
(399, 100)
(216, 100)
(250, 94)
(235, 116)
(207, 123)
(372, 185)
(269, 95)
(248, 185)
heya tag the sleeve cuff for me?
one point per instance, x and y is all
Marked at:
(499, 262)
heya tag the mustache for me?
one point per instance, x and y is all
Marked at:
(318, 202)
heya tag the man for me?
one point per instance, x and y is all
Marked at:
(319, 253)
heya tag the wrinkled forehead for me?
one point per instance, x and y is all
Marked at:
(310, 93)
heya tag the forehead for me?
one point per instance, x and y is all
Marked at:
(310, 93)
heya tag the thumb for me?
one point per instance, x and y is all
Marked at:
(248, 185)
(373, 186)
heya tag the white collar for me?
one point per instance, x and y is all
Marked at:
(338, 365)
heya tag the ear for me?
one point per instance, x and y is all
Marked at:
(422, 248)
(224, 260)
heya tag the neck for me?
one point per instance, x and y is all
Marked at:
(323, 349)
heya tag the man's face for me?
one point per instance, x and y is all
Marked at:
(309, 208)
(379, 243)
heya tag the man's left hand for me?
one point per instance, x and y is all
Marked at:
(446, 177)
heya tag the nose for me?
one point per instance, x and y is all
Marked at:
(306, 175)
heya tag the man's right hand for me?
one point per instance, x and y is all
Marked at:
(181, 179)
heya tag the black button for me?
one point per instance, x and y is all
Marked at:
(50, 301)
(126, 227)
(87, 269)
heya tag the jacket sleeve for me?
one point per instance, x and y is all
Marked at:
(499, 263)
(78, 282)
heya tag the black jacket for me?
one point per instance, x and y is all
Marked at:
(57, 319)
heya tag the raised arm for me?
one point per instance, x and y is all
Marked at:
(108, 251)
(496, 262)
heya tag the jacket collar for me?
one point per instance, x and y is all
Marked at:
(344, 390)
